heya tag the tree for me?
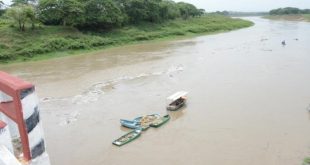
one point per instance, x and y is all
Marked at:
(202, 12)
(169, 10)
(65, 12)
(17, 2)
(188, 10)
(1, 4)
(287, 10)
(103, 13)
(31, 15)
(21, 14)
(153, 10)
(136, 10)
(150, 10)
(306, 11)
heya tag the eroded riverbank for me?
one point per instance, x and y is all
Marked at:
(247, 104)
(58, 41)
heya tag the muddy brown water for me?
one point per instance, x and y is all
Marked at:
(248, 99)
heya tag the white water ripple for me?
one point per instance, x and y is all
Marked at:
(93, 93)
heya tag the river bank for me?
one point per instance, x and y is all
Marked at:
(290, 17)
(247, 103)
(307, 161)
(56, 41)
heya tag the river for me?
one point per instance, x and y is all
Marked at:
(249, 99)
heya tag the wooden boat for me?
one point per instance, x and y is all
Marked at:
(176, 101)
(142, 122)
(127, 138)
(161, 121)
(147, 120)
(133, 124)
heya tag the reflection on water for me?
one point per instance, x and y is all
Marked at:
(247, 104)
(175, 115)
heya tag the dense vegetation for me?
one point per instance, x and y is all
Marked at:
(239, 14)
(18, 45)
(97, 14)
(45, 28)
(244, 14)
(289, 10)
(290, 14)
(290, 17)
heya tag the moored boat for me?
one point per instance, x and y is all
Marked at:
(127, 138)
(176, 101)
(142, 122)
(133, 124)
(160, 121)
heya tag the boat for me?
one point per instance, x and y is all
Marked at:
(142, 122)
(147, 120)
(161, 121)
(133, 124)
(176, 101)
(127, 138)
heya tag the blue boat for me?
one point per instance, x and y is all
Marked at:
(133, 125)
(142, 122)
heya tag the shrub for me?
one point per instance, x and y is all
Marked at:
(56, 44)
(2, 46)
(99, 41)
(77, 44)
(5, 56)
(177, 33)
(142, 37)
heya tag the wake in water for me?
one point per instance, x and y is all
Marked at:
(93, 93)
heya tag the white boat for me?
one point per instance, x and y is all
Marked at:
(176, 101)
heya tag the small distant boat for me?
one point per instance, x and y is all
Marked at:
(161, 121)
(176, 101)
(127, 138)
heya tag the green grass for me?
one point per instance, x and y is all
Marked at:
(307, 16)
(290, 17)
(55, 41)
(306, 161)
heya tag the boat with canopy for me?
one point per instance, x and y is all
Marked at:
(176, 101)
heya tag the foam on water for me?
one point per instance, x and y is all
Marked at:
(96, 90)
(92, 93)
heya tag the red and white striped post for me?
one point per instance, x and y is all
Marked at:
(20, 104)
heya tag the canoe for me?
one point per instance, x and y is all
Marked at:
(127, 138)
(147, 120)
(161, 121)
(133, 125)
(142, 122)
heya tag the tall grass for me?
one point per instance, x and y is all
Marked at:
(48, 39)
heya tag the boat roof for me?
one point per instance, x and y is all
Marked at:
(177, 95)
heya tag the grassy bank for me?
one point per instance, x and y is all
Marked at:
(290, 17)
(306, 161)
(50, 41)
